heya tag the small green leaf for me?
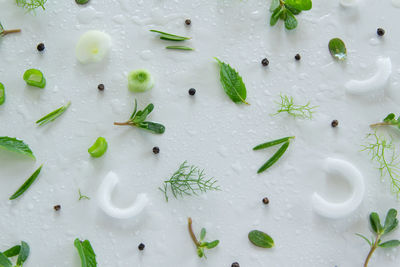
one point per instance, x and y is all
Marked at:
(86, 253)
(2, 94)
(134, 110)
(300, 4)
(274, 157)
(81, 2)
(202, 234)
(274, 5)
(23, 254)
(15, 145)
(273, 143)
(11, 252)
(170, 37)
(213, 244)
(200, 252)
(337, 48)
(293, 10)
(4, 261)
(180, 47)
(275, 16)
(153, 127)
(141, 115)
(27, 184)
(290, 20)
(389, 117)
(390, 244)
(261, 239)
(366, 239)
(391, 221)
(375, 222)
(53, 115)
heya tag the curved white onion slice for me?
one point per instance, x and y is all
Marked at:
(377, 81)
(354, 178)
(104, 197)
(93, 46)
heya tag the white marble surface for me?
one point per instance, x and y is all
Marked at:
(207, 130)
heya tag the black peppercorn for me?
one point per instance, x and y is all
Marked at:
(334, 123)
(57, 207)
(188, 22)
(235, 264)
(380, 32)
(100, 87)
(192, 91)
(265, 62)
(141, 246)
(265, 200)
(297, 57)
(40, 47)
(156, 150)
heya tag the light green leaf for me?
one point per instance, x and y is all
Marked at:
(290, 20)
(27, 184)
(261, 239)
(375, 222)
(275, 16)
(213, 244)
(15, 145)
(86, 253)
(202, 234)
(390, 244)
(53, 115)
(293, 10)
(389, 117)
(300, 4)
(337, 48)
(274, 5)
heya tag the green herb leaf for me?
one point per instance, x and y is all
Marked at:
(170, 37)
(290, 20)
(391, 221)
(273, 143)
(274, 5)
(390, 244)
(15, 145)
(11, 252)
(31, 5)
(23, 254)
(389, 117)
(274, 158)
(200, 252)
(179, 47)
(202, 234)
(27, 184)
(98, 148)
(337, 48)
(366, 239)
(293, 10)
(2, 94)
(300, 4)
(275, 16)
(53, 115)
(232, 83)
(86, 253)
(213, 244)
(141, 115)
(261, 239)
(4, 261)
(375, 222)
(153, 127)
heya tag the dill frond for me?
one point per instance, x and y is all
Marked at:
(297, 111)
(31, 5)
(187, 181)
(383, 152)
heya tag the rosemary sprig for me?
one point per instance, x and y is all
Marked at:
(171, 37)
(4, 32)
(31, 5)
(383, 152)
(27, 184)
(53, 115)
(187, 181)
(297, 111)
(178, 47)
(200, 244)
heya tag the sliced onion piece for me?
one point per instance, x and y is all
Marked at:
(93, 46)
(353, 176)
(376, 82)
(104, 199)
(140, 80)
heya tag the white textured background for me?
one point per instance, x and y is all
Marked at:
(207, 130)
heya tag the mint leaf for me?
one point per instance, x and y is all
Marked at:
(213, 244)
(389, 117)
(15, 145)
(86, 253)
(261, 239)
(275, 16)
(202, 234)
(337, 48)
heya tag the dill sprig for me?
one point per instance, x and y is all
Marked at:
(298, 111)
(383, 152)
(188, 180)
(31, 5)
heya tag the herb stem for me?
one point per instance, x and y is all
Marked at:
(192, 235)
(5, 32)
(373, 248)
(380, 124)
(123, 123)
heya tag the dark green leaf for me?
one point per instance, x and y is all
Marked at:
(154, 127)
(134, 110)
(261, 239)
(300, 4)
(213, 244)
(232, 83)
(4, 261)
(11, 252)
(389, 117)
(375, 222)
(290, 20)
(170, 37)
(141, 115)
(366, 239)
(53, 115)
(275, 16)
(273, 143)
(15, 145)
(337, 48)
(23, 254)
(179, 47)
(200, 252)
(391, 221)
(27, 184)
(274, 5)
(86, 253)
(274, 157)
(202, 234)
(390, 244)
(293, 10)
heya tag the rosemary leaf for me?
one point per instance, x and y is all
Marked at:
(53, 115)
(170, 37)
(27, 184)
(177, 47)
(273, 143)
(274, 157)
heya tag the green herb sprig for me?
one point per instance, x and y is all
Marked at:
(31, 5)
(171, 37)
(286, 11)
(22, 251)
(53, 115)
(187, 181)
(27, 184)
(380, 230)
(4, 32)
(15, 145)
(81, 196)
(178, 47)
(200, 244)
(138, 119)
(86, 253)
(278, 154)
(288, 106)
(389, 120)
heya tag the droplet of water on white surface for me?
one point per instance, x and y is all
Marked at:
(146, 54)
(120, 19)
(374, 41)
(86, 15)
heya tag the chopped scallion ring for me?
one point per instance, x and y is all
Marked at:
(34, 77)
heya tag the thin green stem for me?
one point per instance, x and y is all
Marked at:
(192, 235)
(373, 248)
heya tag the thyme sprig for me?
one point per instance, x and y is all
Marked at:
(297, 111)
(383, 152)
(200, 244)
(4, 32)
(188, 180)
(31, 5)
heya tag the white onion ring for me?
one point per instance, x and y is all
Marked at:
(354, 178)
(377, 81)
(104, 199)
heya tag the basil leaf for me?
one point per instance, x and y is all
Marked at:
(275, 16)
(390, 244)
(213, 244)
(86, 253)
(232, 83)
(11, 252)
(4, 261)
(202, 234)
(27, 184)
(53, 115)
(300, 4)
(261, 239)
(391, 221)
(290, 20)
(274, 5)
(375, 222)
(15, 145)
(23, 254)
(337, 48)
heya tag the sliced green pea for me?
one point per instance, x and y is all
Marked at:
(2, 94)
(34, 77)
(98, 148)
